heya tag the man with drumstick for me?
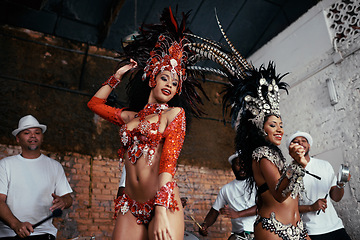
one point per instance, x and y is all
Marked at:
(32, 186)
(236, 201)
(318, 213)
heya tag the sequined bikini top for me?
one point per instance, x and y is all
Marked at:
(143, 139)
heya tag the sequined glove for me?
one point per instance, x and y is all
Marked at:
(295, 173)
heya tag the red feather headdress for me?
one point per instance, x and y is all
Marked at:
(168, 53)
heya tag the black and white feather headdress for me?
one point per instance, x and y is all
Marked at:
(249, 89)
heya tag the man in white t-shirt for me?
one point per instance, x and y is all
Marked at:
(318, 213)
(237, 202)
(32, 186)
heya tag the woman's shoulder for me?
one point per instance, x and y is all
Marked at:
(175, 110)
(175, 118)
(265, 152)
(262, 150)
(172, 112)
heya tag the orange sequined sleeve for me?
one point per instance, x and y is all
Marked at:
(174, 139)
(113, 115)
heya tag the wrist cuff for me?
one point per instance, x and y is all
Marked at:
(165, 197)
(112, 82)
(340, 185)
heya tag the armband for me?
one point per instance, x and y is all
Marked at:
(165, 196)
(295, 173)
(112, 82)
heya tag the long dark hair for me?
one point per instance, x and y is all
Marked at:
(248, 138)
(248, 135)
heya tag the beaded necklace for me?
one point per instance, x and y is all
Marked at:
(143, 139)
(151, 108)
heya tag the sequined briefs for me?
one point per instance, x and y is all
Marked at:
(286, 232)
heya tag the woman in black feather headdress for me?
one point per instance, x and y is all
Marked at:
(253, 96)
(162, 88)
(259, 131)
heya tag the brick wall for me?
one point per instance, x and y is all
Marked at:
(95, 180)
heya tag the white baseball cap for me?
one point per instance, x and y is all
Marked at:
(299, 134)
(232, 157)
(28, 122)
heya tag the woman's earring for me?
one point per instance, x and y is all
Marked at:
(263, 132)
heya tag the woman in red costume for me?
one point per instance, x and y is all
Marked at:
(151, 132)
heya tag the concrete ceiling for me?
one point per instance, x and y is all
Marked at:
(104, 23)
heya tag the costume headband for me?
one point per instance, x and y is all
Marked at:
(169, 55)
(266, 102)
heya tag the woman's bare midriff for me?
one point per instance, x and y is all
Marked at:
(285, 212)
(142, 180)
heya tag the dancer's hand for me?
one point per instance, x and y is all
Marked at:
(162, 229)
(121, 71)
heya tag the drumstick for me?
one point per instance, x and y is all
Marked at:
(318, 212)
(56, 213)
(196, 222)
(311, 174)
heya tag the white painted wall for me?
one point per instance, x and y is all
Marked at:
(305, 50)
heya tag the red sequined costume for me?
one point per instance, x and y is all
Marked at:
(143, 140)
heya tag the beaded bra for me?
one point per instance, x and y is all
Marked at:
(143, 139)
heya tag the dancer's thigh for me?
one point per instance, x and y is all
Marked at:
(127, 228)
